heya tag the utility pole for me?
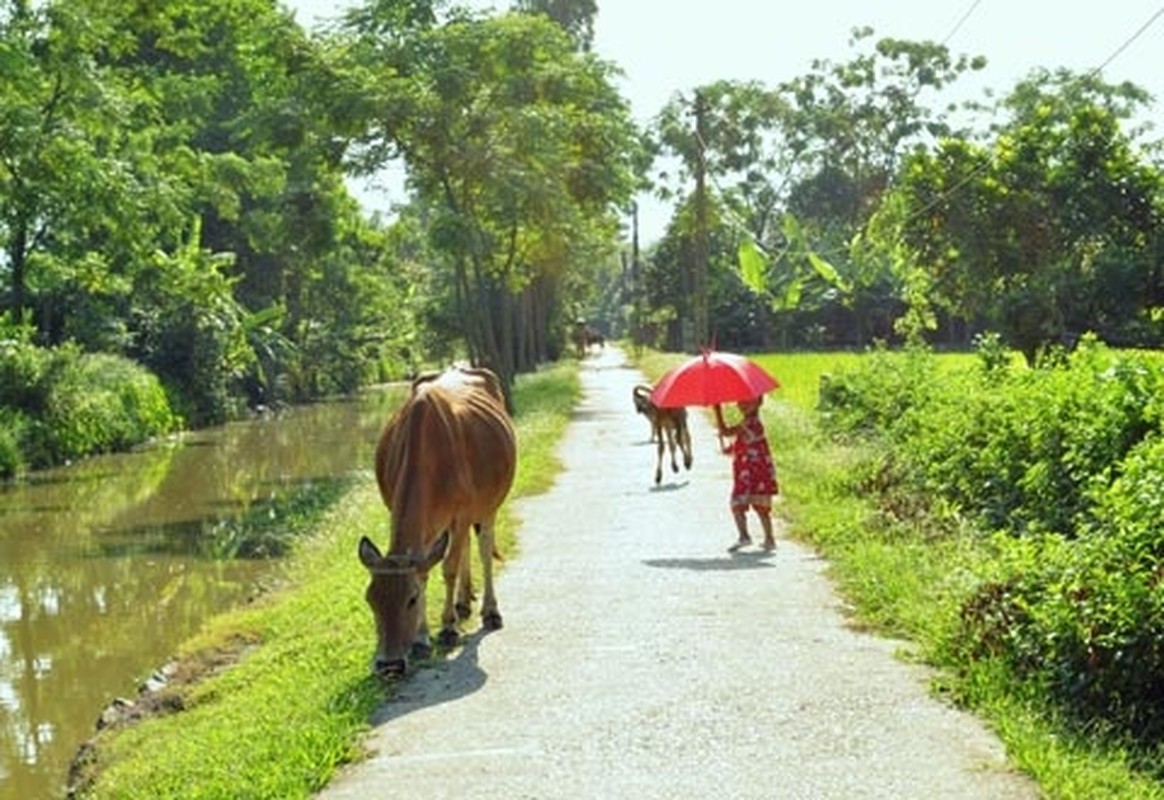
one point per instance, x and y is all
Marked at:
(700, 245)
(636, 283)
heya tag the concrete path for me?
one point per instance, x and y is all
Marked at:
(640, 660)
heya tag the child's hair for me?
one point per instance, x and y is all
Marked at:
(755, 401)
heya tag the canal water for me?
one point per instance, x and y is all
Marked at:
(106, 566)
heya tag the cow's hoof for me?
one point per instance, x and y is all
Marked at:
(390, 670)
(421, 651)
(448, 638)
(491, 621)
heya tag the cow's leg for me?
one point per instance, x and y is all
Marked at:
(490, 615)
(451, 567)
(659, 460)
(464, 601)
(671, 434)
(421, 644)
(685, 444)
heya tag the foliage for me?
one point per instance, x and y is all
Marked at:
(797, 170)
(1048, 232)
(518, 150)
(738, 318)
(62, 404)
(13, 431)
(575, 16)
(879, 393)
(1063, 462)
(173, 192)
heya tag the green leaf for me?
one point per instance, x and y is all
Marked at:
(790, 299)
(827, 271)
(753, 267)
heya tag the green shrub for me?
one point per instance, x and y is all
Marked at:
(100, 403)
(12, 429)
(22, 372)
(1022, 450)
(1082, 623)
(873, 395)
(62, 404)
(1066, 463)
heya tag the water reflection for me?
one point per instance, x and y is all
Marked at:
(104, 568)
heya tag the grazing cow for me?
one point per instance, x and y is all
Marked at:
(445, 462)
(665, 422)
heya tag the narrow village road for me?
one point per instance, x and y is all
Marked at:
(640, 659)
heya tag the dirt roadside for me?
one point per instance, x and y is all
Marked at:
(640, 660)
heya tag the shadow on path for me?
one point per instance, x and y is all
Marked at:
(736, 561)
(437, 681)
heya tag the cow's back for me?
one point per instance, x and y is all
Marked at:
(450, 450)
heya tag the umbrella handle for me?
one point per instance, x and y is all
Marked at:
(719, 426)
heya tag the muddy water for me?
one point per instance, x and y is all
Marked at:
(107, 565)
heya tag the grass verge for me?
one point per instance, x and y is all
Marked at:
(269, 701)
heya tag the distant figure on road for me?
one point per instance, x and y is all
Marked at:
(753, 472)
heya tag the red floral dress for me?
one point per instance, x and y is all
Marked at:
(753, 470)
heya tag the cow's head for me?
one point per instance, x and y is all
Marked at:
(395, 595)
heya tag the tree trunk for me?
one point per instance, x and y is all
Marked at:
(17, 258)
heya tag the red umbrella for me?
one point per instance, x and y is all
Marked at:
(712, 378)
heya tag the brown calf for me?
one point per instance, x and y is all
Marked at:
(665, 422)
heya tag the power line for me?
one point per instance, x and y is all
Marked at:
(961, 21)
(1132, 38)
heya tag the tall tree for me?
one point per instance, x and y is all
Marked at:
(1054, 229)
(518, 147)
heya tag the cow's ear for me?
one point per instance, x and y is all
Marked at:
(369, 553)
(437, 551)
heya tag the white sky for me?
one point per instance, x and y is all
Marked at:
(670, 46)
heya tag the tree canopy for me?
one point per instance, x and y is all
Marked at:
(173, 189)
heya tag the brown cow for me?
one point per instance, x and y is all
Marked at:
(445, 462)
(668, 422)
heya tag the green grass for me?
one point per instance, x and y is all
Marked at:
(280, 721)
(901, 582)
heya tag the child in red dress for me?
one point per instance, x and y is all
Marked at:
(753, 472)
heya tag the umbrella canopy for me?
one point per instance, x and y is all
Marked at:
(712, 378)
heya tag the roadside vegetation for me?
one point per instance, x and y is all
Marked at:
(1005, 521)
(269, 701)
(62, 404)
